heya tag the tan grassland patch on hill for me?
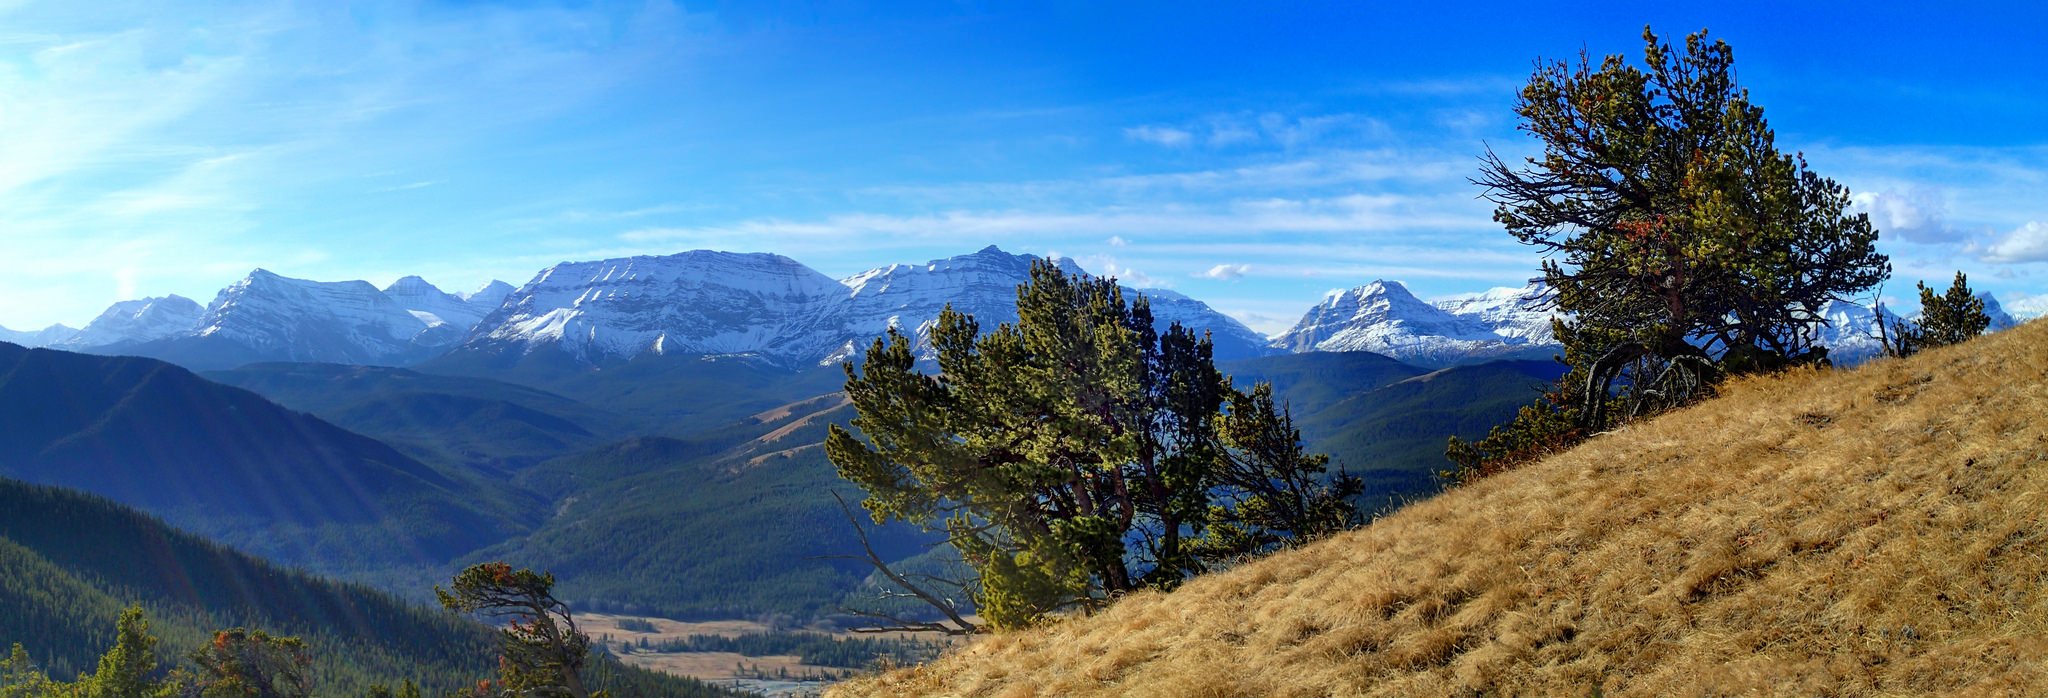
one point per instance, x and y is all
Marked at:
(1877, 531)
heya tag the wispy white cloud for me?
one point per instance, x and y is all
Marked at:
(1227, 272)
(1345, 214)
(1160, 135)
(1243, 129)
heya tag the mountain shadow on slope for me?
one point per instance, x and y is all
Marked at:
(467, 421)
(224, 462)
(1386, 421)
(738, 523)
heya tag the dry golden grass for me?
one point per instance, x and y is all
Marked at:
(1870, 532)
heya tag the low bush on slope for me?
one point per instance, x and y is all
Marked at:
(1876, 531)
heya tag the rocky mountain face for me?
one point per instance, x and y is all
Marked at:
(699, 302)
(285, 319)
(268, 317)
(778, 309)
(142, 320)
(1384, 318)
(1512, 313)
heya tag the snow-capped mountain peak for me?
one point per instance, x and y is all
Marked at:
(699, 302)
(436, 307)
(984, 284)
(281, 318)
(491, 295)
(141, 320)
(47, 336)
(1515, 313)
(1383, 317)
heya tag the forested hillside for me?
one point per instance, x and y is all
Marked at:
(227, 463)
(71, 563)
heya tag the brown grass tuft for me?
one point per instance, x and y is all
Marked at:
(1870, 532)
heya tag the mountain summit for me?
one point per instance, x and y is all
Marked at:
(772, 307)
(1384, 318)
(143, 320)
(698, 302)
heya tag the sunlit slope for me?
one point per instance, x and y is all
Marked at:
(1875, 531)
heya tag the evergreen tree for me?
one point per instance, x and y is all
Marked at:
(1679, 240)
(1952, 317)
(1681, 246)
(1077, 454)
(241, 663)
(127, 669)
(543, 652)
(21, 678)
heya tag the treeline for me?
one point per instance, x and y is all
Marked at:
(815, 649)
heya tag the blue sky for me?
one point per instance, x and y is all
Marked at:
(1253, 155)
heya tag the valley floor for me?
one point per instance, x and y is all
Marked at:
(778, 675)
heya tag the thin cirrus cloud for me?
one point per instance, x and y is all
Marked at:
(1241, 129)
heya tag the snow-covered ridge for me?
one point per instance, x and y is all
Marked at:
(269, 317)
(142, 320)
(1383, 317)
(770, 306)
(774, 308)
(1852, 334)
(282, 318)
(37, 338)
(699, 302)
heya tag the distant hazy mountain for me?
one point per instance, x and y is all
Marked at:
(267, 317)
(488, 297)
(143, 320)
(436, 307)
(37, 338)
(1384, 318)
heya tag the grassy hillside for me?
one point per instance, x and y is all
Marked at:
(72, 561)
(1875, 531)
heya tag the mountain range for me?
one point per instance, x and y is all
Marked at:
(773, 309)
